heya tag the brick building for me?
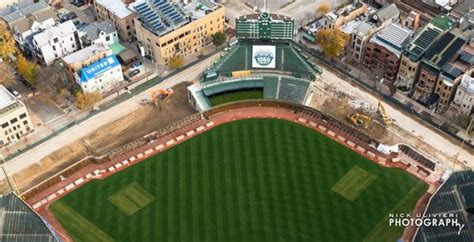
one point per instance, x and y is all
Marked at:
(385, 49)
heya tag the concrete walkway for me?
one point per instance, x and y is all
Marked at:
(108, 116)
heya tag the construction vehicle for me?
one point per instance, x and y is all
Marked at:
(161, 94)
(359, 120)
(387, 121)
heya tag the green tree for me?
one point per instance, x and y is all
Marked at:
(26, 69)
(85, 101)
(219, 38)
(332, 41)
(176, 62)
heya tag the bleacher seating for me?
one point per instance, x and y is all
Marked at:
(19, 223)
(293, 89)
(287, 59)
(270, 87)
(239, 58)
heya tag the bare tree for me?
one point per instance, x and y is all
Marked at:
(7, 77)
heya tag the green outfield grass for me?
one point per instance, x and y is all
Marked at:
(236, 96)
(250, 180)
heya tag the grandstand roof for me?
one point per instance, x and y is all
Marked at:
(453, 197)
(18, 222)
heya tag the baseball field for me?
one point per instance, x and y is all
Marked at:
(249, 180)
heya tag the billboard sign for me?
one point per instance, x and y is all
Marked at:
(263, 56)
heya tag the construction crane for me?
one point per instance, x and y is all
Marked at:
(387, 121)
(161, 94)
(359, 120)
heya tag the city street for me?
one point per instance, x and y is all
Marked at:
(103, 118)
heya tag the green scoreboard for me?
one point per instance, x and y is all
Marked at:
(265, 26)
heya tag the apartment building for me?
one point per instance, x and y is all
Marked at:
(166, 29)
(56, 42)
(463, 102)
(411, 58)
(98, 33)
(120, 14)
(364, 27)
(14, 118)
(385, 49)
(436, 57)
(335, 19)
(27, 18)
(451, 74)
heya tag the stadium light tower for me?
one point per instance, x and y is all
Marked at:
(462, 143)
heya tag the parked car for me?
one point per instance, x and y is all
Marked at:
(77, 3)
(133, 73)
(136, 64)
(67, 16)
(27, 84)
(14, 92)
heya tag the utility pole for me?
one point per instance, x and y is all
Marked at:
(10, 181)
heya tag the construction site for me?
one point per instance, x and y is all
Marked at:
(121, 134)
(370, 115)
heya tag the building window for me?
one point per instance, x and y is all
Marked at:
(23, 115)
(4, 125)
(107, 38)
(13, 120)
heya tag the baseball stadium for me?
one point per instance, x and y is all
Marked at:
(252, 164)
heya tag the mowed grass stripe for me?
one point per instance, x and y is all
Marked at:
(79, 228)
(219, 211)
(380, 231)
(288, 171)
(353, 183)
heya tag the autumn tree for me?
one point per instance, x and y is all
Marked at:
(323, 8)
(332, 41)
(26, 69)
(6, 77)
(7, 43)
(86, 101)
(219, 38)
(176, 62)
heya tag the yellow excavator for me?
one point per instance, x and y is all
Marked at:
(161, 94)
(359, 120)
(387, 121)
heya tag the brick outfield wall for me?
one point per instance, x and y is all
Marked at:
(57, 186)
(342, 133)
